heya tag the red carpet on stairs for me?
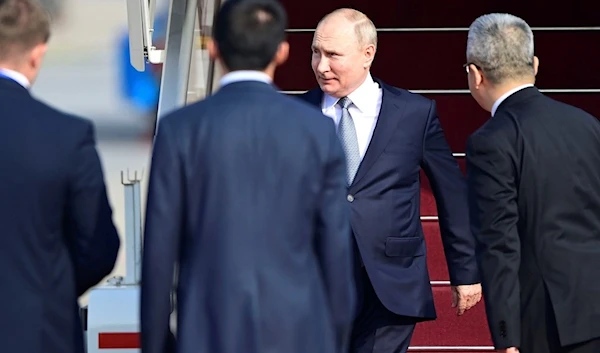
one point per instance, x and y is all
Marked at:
(448, 331)
(469, 329)
(428, 205)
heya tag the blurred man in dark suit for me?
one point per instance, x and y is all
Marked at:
(534, 194)
(247, 197)
(389, 134)
(57, 238)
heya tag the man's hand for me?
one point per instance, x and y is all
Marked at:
(465, 297)
(508, 350)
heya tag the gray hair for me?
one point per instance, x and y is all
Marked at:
(501, 45)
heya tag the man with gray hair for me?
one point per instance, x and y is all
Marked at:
(388, 135)
(534, 197)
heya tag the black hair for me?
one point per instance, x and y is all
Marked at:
(249, 32)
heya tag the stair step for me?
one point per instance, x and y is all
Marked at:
(457, 13)
(428, 205)
(460, 115)
(425, 47)
(449, 330)
(452, 349)
(456, 349)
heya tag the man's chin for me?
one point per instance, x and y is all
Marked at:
(328, 88)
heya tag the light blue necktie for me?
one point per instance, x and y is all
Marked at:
(347, 134)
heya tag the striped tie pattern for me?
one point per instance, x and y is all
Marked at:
(347, 134)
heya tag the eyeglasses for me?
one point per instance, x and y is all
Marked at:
(467, 65)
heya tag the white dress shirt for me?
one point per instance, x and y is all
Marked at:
(244, 75)
(506, 95)
(366, 104)
(15, 76)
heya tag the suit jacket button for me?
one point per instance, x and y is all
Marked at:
(350, 198)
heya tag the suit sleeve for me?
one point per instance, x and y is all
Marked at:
(494, 216)
(334, 242)
(162, 234)
(449, 188)
(91, 234)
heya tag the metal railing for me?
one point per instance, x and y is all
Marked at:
(457, 29)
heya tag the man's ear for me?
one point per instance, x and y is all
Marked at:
(37, 56)
(282, 54)
(213, 50)
(477, 77)
(369, 53)
(536, 65)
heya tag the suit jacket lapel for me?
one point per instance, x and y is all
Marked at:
(391, 109)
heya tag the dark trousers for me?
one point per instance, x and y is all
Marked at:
(539, 332)
(376, 329)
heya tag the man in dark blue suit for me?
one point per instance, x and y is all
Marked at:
(247, 199)
(388, 135)
(57, 238)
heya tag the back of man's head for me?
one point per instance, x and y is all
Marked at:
(23, 26)
(502, 46)
(248, 33)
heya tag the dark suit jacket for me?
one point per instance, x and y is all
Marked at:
(534, 186)
(385, 211)
(247, 196)
(57, 238)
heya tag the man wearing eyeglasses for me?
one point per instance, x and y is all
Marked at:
(534, 196)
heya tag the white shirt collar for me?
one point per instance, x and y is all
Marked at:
(244, 75)
(15, 76)
(508, 94)
(361, 97)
